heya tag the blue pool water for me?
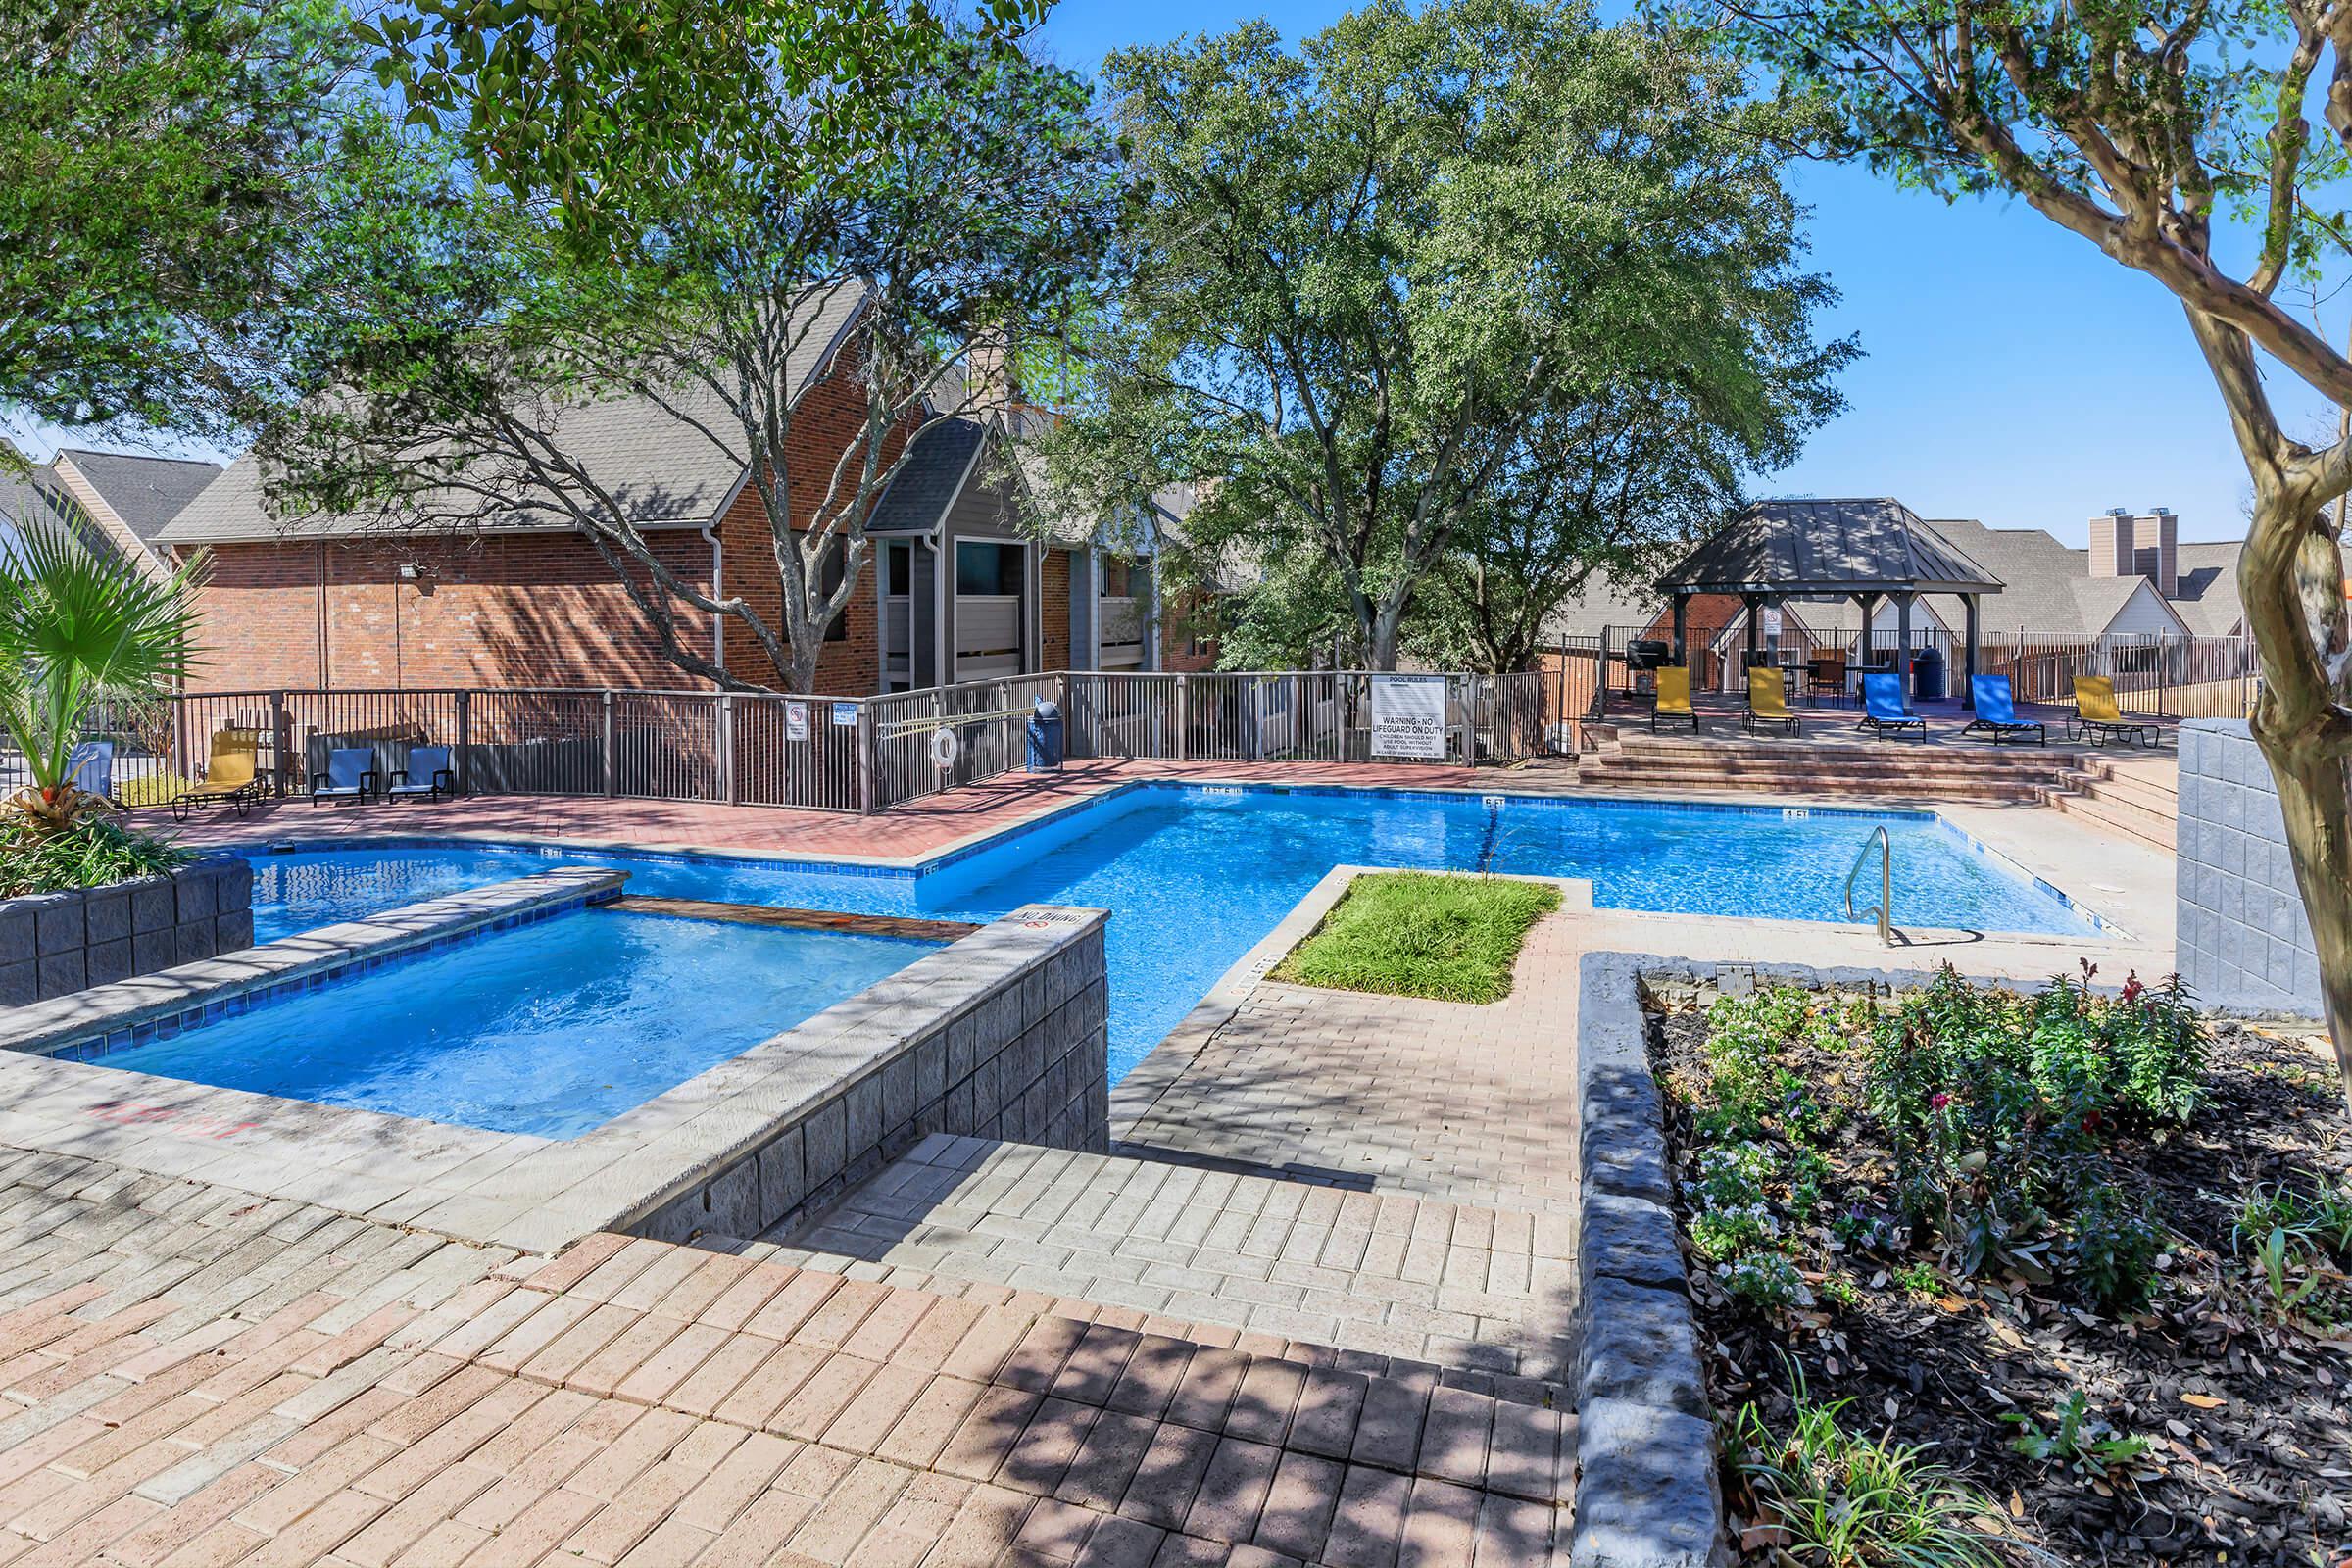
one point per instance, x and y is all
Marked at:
(550, 1028)
(1195, 876)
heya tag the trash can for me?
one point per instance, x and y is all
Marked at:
(1044, 738)
(1926, 675)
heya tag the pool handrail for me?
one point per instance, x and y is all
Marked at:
(1885, 904)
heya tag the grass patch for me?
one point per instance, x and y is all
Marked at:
(1413, 934)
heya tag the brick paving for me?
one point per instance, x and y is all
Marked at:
(195, 1376)
(1454, 1287)
(1471, 1104)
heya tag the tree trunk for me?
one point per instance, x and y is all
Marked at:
(2294, 634)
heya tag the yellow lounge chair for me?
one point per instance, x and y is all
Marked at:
(1674, 696)
(1768, 700)
(2097, 715)
(230, 777)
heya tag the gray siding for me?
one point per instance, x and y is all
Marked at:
(2244, 941)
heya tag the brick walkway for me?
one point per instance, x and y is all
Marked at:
(199, 1377)
(1459, 1289)
(1471, 1104)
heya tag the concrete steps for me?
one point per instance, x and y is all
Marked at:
(1486, 1297)
(1888, 769)
(2137, 798)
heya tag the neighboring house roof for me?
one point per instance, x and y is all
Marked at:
(1850, 545)
(19, 494)
(145, 492)
(1603, 601)
(2205, 595)
(662, 470)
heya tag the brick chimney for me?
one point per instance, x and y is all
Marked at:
(2114, 536)
(2157, 550)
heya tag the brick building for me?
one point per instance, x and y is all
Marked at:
(517, 595)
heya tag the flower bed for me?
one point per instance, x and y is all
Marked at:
(2082, 1252)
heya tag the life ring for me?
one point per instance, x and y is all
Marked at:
(945, 747)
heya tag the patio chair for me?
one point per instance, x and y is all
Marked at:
(1883, 709)
(2097, 715)
(90, 769)
(1996, 711)
(230, 777)
(1768, 701)
(1826, 674)
(1674, 696)
(426, 774)
(348, 775)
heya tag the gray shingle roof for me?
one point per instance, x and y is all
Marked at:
(1827, 546)
(658, 467)
(926, 483)
(145, 492)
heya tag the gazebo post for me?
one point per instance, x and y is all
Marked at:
(1682, 628)
(1902, 635)
(1755, 632)
(1869, 603)
(1968, 685)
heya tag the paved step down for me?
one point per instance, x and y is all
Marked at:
(2122, 817)
(1486, 1297)
(2158, 796)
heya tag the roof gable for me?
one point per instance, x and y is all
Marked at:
(1874, 544)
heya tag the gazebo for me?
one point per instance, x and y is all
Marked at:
(1865, 549)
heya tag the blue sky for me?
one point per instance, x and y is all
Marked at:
(2012, 374)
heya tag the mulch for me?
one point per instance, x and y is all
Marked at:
(2252, 1457)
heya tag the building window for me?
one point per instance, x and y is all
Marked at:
(987, 570)
(901, 560)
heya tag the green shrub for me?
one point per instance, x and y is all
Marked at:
(1848, 1501)
(94, 851)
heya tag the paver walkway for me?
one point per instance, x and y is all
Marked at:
(1461, 1288)
(201, 1377)
(1471, 1104)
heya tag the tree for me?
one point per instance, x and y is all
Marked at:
(684, 216)
(157, 163)
(1371, 281)
(2147, 129)
(1627, 482)
(75, 628)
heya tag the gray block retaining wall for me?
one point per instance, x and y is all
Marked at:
(2243, 943)
(1025, 1058)
(56, 943)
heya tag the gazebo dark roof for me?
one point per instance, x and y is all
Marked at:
(1866, 546)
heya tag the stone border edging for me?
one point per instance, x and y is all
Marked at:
(1646, 1491)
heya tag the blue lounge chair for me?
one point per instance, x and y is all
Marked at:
(348, 775)
(427, 775)
(1883, 712)
(1996, 711)
(90, 769)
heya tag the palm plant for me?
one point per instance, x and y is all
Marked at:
(75, 628)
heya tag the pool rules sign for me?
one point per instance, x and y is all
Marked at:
(1408, 716)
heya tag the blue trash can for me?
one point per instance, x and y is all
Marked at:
(1044, 738)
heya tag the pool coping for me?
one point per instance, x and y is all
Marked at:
(510, 1188)
(2104, 924)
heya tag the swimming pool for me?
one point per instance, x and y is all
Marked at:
(1197, 875)
(551, 1028)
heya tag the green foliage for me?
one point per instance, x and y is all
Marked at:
(1483, 282)
(2298, 1238)
(1416, 934)
(1850, 1500)
(89, 852)
(159, 164)
(2078, 1439)
(1999, 1112)
(75, 628)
